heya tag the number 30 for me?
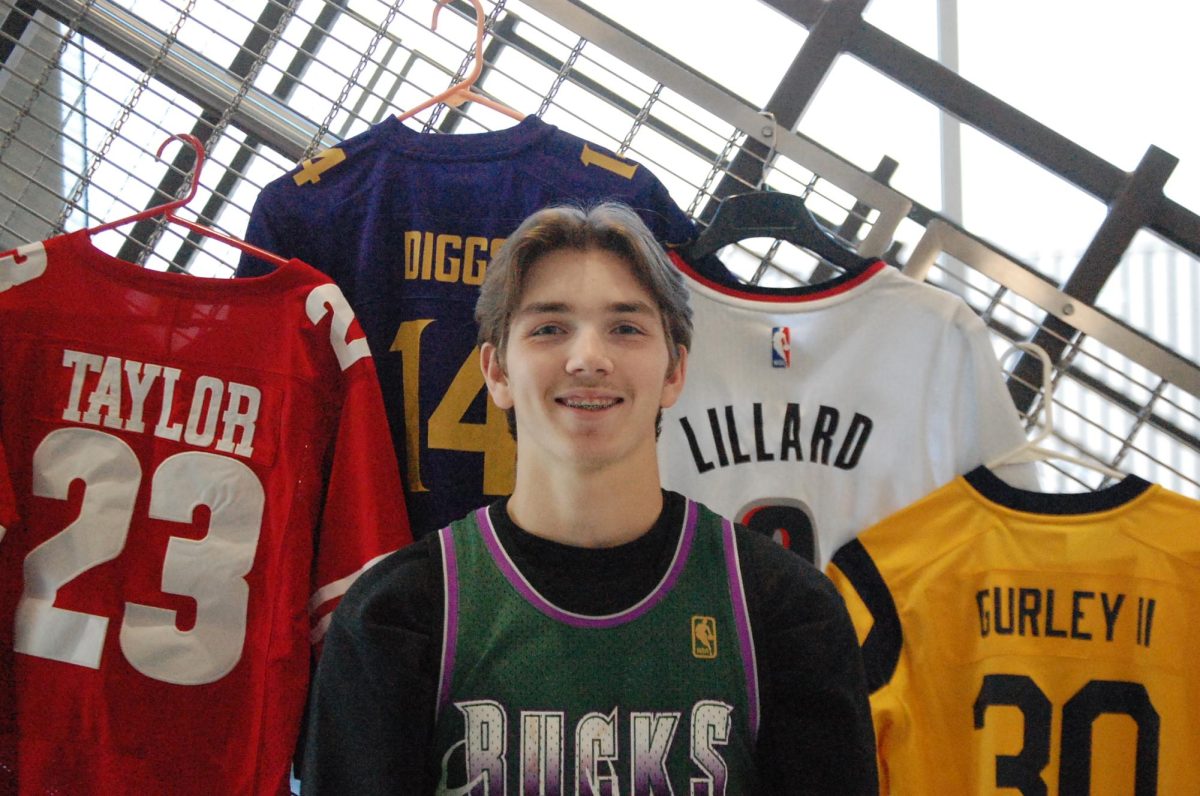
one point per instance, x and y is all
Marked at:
(1023, 770)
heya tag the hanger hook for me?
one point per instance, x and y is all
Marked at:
(193, 142)
(437, 9)
(1032, 449)
(1046, 387)
(477, 67)
(461, 92)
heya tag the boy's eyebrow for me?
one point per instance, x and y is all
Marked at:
(631, 307)
(621, 307)
(543, 307)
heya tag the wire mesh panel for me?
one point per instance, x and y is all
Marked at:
(1108, 409)
(90, 89)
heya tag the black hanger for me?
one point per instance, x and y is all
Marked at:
(769, 214)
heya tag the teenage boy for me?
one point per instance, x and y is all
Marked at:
(592, 633)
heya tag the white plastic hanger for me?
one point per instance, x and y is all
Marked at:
(1032, 450)
(461, 92)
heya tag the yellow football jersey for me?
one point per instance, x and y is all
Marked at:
(1026, 643)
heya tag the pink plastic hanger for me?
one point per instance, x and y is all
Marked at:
(169, 208)
(461, 92)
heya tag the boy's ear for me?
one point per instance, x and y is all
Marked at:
(494, 376)
(676, 376)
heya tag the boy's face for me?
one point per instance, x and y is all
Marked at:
(586, 364)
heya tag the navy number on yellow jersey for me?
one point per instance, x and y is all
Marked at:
(1097, 698)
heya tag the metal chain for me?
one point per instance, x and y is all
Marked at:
(640, 118)
(716, 169)
(768, 260)
(380, 31)
(488, 22)
(51, 65)
(126, 109)
(230, 109)
(1141, 419)
(256, 66)
(567, 65)
(766, 263)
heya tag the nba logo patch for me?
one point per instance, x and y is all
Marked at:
(781, 347)
(704, 637)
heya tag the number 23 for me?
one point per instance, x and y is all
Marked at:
(210, 570)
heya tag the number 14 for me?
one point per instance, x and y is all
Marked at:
(447, 431)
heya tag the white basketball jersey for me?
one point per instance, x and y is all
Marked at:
(811, 414)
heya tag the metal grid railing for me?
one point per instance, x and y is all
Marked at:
(1108, 408)
(90, 88)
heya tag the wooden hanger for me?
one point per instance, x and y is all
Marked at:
(461, 92)
(168, 209)
(1032, 450)
(771, 214)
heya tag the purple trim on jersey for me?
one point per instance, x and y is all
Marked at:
(531, 595)
(737, 593)
(450, 618)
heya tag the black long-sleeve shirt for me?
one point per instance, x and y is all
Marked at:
(373, 701)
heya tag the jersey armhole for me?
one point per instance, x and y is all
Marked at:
(741, 614)
(881, 647)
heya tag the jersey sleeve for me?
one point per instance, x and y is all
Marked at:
(877, 626)
(364, 516)
(809, 665)
(978, 405)
(665, 219)
(376, 682)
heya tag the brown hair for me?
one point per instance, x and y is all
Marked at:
(609, 226)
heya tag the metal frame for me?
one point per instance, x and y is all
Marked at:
(1134, 200)
(836, 27)
(889, 203)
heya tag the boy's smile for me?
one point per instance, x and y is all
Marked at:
(586, 364)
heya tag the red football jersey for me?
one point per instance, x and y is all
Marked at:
(199, 469)
(8, 501)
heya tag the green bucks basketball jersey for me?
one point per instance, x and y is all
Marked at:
(533, 699)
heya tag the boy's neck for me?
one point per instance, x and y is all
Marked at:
(595, 509)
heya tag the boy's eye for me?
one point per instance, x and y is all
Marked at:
(546, 329)
(627, 328)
